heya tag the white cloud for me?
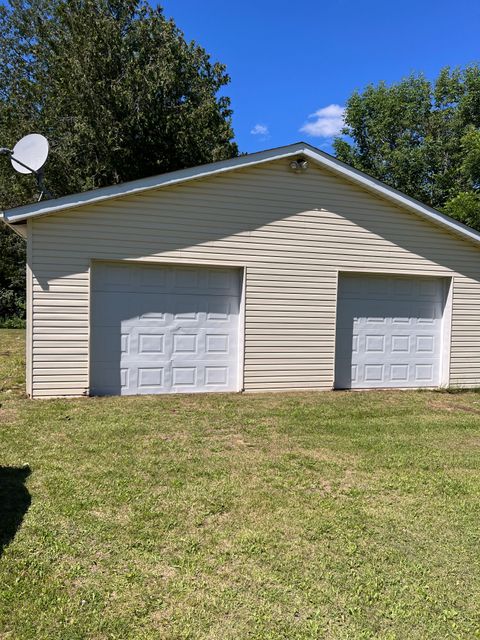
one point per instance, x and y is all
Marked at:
(260, 130)
(326, 122)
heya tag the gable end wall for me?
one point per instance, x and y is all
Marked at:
(292, 232)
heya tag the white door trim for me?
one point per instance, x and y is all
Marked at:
(446, 327)
(241, 330)
(164, 262)
(447, 332)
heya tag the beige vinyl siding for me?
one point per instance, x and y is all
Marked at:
(292, 232)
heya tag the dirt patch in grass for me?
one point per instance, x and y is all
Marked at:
(270, 516)
(7, 415)
(452, 405)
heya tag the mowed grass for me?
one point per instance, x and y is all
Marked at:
(273, 516)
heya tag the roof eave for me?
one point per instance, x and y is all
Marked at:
(96, 196)
(393, 195)
(20, 228)
(373, 185)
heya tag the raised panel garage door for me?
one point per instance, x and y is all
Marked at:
(164, 329)
(389, 332)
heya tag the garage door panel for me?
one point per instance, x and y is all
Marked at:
(151, 279)
(113, 277)
(371, 286)
(374, 343)
(425, 373)
(389, 332)
(151, 341)
(126, 308)
(345, 343)
(374, 311)
(115, 379)
(401, 344)
(399, 373)
(181, 337)
(191, 306)
(151, 379)
(105, 340)
(346, 372)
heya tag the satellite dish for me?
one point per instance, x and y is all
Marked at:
(30, 153)
(28, 156)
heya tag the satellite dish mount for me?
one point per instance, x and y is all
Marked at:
(28, 156)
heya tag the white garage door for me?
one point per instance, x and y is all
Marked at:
(389, 332)
(164, 329)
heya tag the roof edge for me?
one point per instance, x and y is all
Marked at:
(392, 194)
(145, 184)
(20, 214)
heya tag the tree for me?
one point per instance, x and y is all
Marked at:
(115, 88)
(422, 138)
(12, 275)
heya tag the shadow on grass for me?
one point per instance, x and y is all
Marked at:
(14, 502)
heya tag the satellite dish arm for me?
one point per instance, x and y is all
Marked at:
(8, 152)
(38, 174)
(22, 164)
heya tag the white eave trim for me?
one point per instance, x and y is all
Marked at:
(146, 184)
(46, 207)
(389, 193)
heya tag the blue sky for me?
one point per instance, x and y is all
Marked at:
(288, 60)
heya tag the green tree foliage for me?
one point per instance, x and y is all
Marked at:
(12, 275)
(115, 88)
(422, 138)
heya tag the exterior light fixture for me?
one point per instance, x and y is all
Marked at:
(299, 165)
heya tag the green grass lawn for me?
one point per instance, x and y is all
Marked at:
(272, 516)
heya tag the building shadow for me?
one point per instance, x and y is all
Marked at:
(14, 502)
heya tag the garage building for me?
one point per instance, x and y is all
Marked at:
(284, 269)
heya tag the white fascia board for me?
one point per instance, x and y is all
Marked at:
(154, 182)
(379, 188)
(177, 177)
